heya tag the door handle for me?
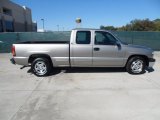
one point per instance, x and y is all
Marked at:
(96, 49)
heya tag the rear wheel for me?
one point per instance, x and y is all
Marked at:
(136, 65)
(41, 67)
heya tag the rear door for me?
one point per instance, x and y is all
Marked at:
(81, 49)
(105, 51)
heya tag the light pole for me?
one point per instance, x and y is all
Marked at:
(43, 23)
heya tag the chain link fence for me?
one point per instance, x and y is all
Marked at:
(149, 39)
(7, 39)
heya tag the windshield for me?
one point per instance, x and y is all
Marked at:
(124, 43)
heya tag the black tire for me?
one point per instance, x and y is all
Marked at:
(136, 65)
(41, 67)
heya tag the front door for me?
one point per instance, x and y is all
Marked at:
(106, 53)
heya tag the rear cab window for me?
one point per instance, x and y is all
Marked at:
(83, 37)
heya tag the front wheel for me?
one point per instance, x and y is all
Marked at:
(41, 67)
(136, 65)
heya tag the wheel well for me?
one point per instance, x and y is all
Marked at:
(143, 56)
(34, 56)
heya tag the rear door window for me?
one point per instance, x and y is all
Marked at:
(83, 37)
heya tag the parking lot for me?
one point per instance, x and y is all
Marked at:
(78, 94)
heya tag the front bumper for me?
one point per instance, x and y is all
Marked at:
(12, 61)
(151, 62)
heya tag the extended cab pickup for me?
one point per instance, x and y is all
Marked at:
(87, 48)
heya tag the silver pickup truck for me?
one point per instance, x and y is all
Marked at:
(87, 48)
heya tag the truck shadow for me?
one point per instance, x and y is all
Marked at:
(149, 70)
(94, 70)
(101, 70)
(56, 71)
(86, 70)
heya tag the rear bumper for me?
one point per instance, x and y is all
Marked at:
(12, 61)
(151, 62)
(20, 61)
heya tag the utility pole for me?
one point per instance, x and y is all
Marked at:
(58, 28)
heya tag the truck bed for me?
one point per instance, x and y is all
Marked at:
(59, 51)
(44, 42)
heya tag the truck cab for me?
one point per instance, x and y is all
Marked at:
(95, 48)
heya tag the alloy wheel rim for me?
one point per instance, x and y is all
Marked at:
(137, 66)
(40, 68)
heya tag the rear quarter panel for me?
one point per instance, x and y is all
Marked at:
(59, 53)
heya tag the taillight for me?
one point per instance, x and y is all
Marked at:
(13, 51)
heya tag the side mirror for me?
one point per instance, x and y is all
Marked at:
(118, 45)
